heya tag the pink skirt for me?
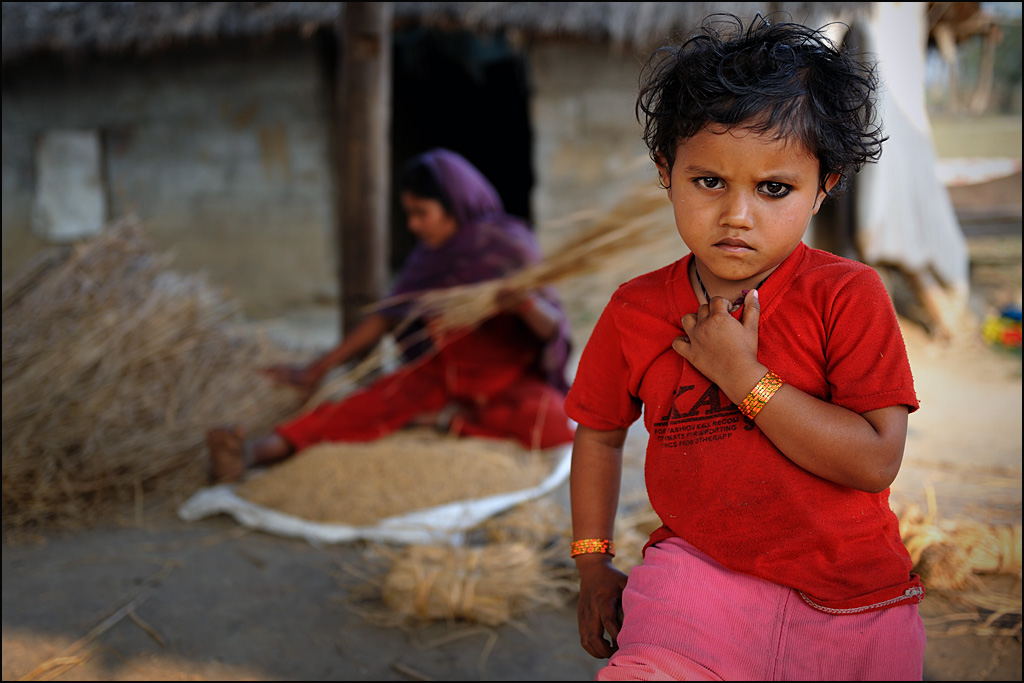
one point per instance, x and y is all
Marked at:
(689, 618)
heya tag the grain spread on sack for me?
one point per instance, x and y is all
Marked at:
(363, 483)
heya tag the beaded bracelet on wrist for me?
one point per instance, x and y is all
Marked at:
(593, 545)
(760, 394)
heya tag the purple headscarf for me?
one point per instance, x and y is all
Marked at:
(488, 244)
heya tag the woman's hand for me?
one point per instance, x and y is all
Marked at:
(600, 604)
(306, 378)
(513, 299)
(538, 314)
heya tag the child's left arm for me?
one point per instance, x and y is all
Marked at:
(862, 451)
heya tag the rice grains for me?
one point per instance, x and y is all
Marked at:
(362, 483)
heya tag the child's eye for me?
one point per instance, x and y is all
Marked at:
(775, 189)
(709, 183)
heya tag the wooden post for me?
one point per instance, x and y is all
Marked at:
(364, 106)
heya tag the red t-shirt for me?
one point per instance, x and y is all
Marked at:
(828, 328)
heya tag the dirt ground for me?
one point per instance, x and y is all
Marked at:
(150, 597)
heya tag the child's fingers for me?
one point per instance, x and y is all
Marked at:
(592, 638)
(611, 627)
(719, 304)
(751, 309)
(681, 345)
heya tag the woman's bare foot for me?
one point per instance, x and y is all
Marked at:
(227, 454)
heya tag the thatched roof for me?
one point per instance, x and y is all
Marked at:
(72, 29)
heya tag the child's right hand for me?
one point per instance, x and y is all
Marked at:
(722, 348)
(600, 604)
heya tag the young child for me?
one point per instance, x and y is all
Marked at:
(773, 382)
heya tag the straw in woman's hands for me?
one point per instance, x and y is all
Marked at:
(633, 223)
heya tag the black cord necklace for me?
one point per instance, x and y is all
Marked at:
(707, 297)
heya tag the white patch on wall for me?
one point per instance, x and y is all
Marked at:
(70, 201)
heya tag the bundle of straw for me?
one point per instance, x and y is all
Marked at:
(490, 584)
(113, 369)
(948, 553)
(963, 561)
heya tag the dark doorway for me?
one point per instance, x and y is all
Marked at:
(469, 93)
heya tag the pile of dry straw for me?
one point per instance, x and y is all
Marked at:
(114, 367)
(953, 557)
(489, 584)
(517, 562)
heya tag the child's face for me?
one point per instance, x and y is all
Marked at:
(742, 203)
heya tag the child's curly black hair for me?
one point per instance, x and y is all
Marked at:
(774, 77)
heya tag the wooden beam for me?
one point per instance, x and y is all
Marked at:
(364, 113)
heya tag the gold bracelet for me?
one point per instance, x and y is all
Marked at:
(593, 545)
(760, 394)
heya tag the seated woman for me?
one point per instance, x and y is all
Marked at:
(505, 378)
